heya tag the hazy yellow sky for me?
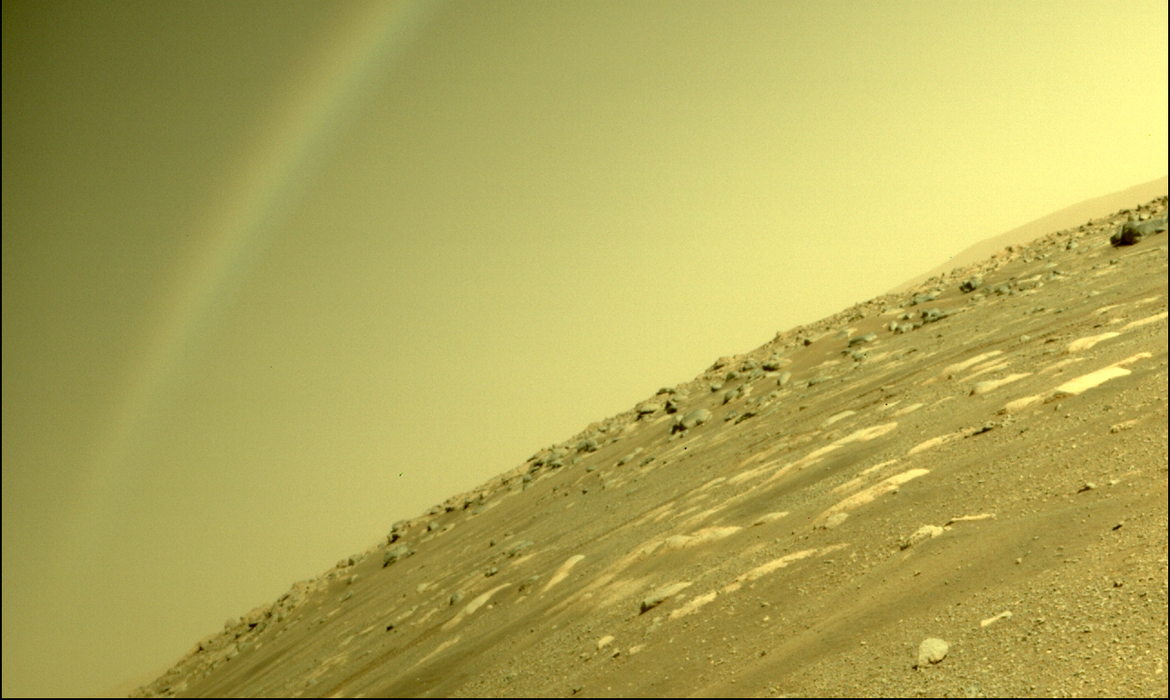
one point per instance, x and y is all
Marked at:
(277, 274)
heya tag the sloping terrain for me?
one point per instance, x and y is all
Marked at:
(981, 460)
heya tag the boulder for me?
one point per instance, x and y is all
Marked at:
(690, 420)
(393, 554)
(1132, 232)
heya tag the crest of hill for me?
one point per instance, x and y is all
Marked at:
(1069, 217)
(956, 489)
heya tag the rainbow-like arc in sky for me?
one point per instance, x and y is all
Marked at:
(254, 201)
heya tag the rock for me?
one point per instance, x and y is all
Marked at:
(733, 394)
(923, 298)
(432, 526)
(629, 457)
(925, 532)
(604, 641)
(867, 338)
(1132, 232)
(393, 554)
(528, 583)
(648, 407)
(971, 284)
(659, 596)
(589, 445)
(783, 379)
(455, 598)
(774, 363)
(690, 420)
(932, 315)
(518, 548)
(932, 651)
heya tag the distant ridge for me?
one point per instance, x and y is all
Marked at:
(1068, 217)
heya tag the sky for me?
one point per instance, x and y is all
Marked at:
(278, 274)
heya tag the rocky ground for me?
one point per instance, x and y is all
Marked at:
(959, 490)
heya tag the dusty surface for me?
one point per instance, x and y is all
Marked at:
(975, 505)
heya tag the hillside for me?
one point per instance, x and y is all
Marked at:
(980, 460)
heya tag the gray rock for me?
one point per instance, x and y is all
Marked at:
(924, 298)
(455, 598)
(659, 596)
(971, 284)
(629, 457)
(774, 363)
(694, 418)
(932, 315)
(647, 407)
(1132, 232)
(932, 651)
(733, 394)
(518, 548)
(393, 554)
(862, 339)
(588, 445)
(783, 379)
(432, 526)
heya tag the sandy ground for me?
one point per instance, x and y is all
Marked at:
(995, 478)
